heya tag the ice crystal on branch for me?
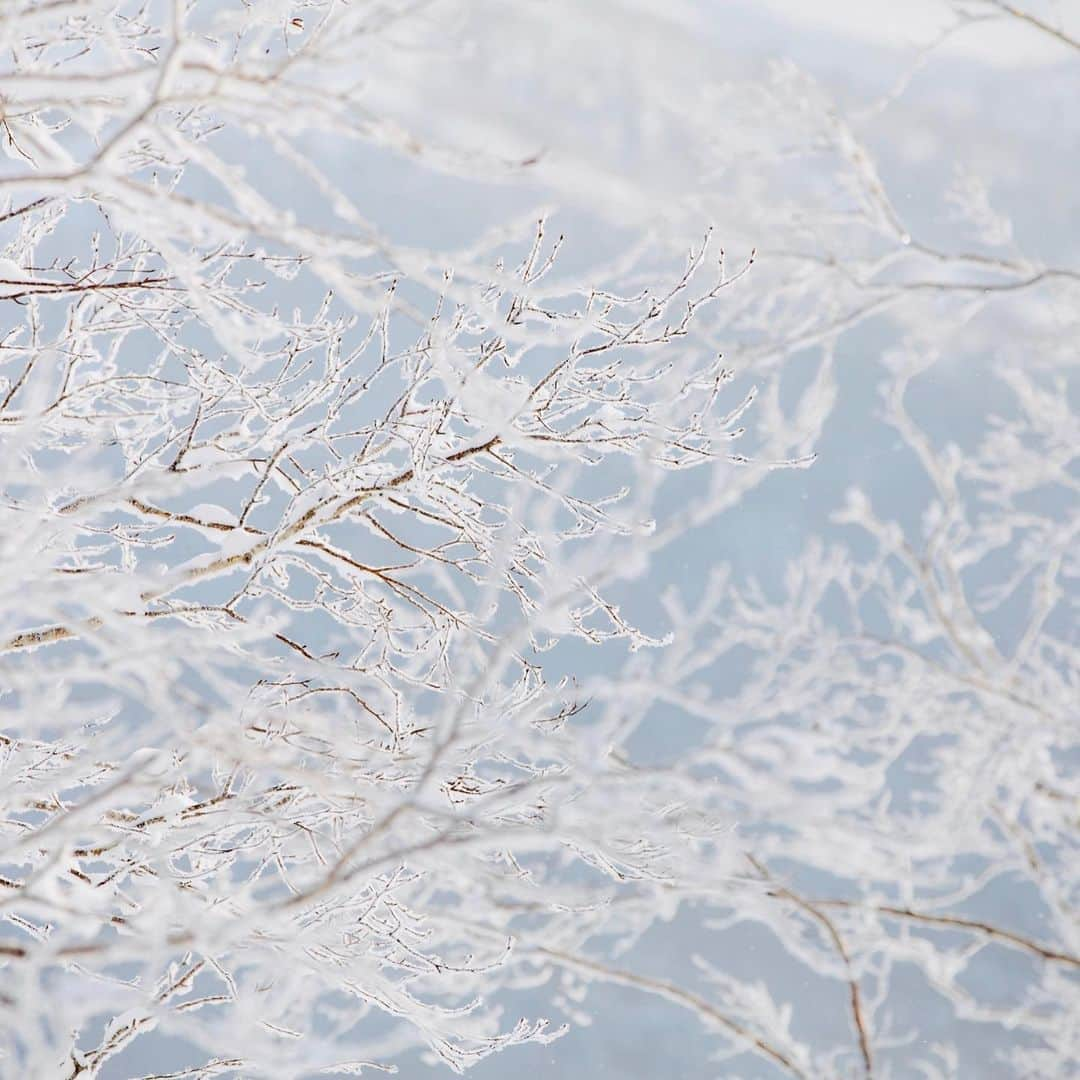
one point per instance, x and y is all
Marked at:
(290, 513)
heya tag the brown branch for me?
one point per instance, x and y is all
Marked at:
(25, 209)
(958, 922)
(858, 1018)
(31, 638)
(57, 288)
(1035, 21)
(310, 519)
(677, 995)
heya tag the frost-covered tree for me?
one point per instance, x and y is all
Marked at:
(893, 725)
(329, 648)
(291, 515)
